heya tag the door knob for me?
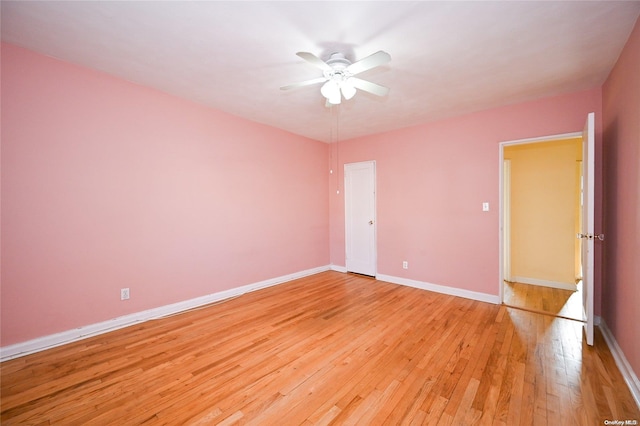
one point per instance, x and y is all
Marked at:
(370, 222)
(591, 236)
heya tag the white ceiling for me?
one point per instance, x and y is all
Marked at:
(448, 58)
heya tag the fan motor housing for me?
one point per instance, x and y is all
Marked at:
(338, 61)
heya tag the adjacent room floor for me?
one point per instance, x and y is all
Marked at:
(546, 300)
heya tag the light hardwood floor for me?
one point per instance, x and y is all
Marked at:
(552, 301)
(332, 348)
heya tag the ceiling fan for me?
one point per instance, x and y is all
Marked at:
(338, 76)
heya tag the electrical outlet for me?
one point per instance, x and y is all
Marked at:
(405, 264)
(124, 294)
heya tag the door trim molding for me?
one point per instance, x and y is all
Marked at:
(506, 218)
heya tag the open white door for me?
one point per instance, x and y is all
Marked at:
(587, 232)
(359, 201)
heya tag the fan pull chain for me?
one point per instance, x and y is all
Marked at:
(331, 141)
(337, 150)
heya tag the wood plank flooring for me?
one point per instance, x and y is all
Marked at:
(552, 301)
(332, 348)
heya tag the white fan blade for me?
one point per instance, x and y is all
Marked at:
(368, 86)
(304, 83)
(379, 58)
(314, 60)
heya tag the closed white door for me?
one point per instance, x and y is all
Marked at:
(587, 233)
(360, 220)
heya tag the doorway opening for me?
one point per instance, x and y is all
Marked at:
(540, 216)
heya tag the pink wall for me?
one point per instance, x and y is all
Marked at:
(107, 184)
(432, 180)
(621, 106)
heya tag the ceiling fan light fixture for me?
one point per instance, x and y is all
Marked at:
(335, 100)
(338, 76)
(331, 91)
(348, 91)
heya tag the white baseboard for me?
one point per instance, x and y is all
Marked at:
(452, 291)
(621, 361)
(58, 339)
(544, 283)
(339, 268)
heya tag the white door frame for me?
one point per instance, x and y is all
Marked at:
(502, 146)
(373, 219)
(506, 219)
